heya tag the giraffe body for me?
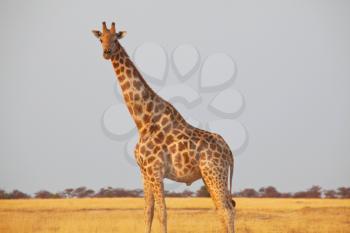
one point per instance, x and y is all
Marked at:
(169, 147)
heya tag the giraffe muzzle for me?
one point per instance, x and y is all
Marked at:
(107, 53)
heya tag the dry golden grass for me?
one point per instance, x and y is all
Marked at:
(184, 215)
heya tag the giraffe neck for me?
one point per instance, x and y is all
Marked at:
(137, 93)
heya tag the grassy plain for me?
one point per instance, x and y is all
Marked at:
(185, 215)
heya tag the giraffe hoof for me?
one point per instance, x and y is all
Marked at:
(233, 203)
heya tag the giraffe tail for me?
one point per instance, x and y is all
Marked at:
(231, 171)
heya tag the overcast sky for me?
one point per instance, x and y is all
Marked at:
(293, 62)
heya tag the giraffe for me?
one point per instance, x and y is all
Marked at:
(169, 147)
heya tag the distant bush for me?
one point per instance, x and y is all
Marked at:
(15, 194)
(118, 192)
(3, 194)
(313, 192)
(248, 192)
(46, 194)
(202, 192)
(330, 193)
(343, 192)
(185, 193)
(269, 191)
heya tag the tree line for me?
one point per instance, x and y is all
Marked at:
(313, 192)
(264, 192)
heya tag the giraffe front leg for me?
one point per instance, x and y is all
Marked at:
(149, 205)
(158, 190)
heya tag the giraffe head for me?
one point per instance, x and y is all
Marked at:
(109, 39)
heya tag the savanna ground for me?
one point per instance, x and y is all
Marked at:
(106, 215)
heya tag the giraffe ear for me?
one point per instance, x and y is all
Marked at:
(97, 33)
(121, 34)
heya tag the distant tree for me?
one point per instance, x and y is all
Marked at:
(101, 193)
(89, 193)
(202, 192)
(68, 193)
(269, 191)
(135, 193)
(46, 194)
(118, 192)
(187, 193)
(248, 192)
(172, 194)
(3, 194)
(300, 194)
(105, 192)
(313, 192)
(343, 192)
(79, 192)
(330, 193)
(286, 195)
(16, 194)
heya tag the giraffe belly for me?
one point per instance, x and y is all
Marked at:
(180, 176)
(182, 164)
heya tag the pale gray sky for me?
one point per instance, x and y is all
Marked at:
(293, 62)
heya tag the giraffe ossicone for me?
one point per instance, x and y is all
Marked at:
(168, 146)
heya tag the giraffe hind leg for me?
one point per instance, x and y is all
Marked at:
(158, 191)
(217, 187)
